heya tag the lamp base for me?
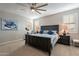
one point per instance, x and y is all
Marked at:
(64, 34)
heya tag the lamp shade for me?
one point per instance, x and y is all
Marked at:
(64, 29)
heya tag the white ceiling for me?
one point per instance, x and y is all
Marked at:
(24, 9)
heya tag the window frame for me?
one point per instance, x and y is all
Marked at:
(71, 20)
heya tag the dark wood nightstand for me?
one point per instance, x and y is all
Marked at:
(64, 40)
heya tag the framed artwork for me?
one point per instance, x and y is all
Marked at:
(9, 24)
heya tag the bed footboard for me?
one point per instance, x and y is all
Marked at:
(42, 43)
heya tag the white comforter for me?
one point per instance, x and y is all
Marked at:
(54, 37)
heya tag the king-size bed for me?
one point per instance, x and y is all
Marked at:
(45, 40)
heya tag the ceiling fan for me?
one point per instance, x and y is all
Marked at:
(36, 8)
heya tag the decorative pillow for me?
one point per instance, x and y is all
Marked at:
(55, 32)
(45, 32)
(50, 32)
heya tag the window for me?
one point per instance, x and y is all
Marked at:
(71, 20)
(37, 26)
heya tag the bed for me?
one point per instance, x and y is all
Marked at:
(43, 41)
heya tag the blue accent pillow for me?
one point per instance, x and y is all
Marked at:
(50, 32)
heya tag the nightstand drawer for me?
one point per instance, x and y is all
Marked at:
(64, 40)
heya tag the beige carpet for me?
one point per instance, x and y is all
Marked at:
(59, 50)
(10, 47)
(18, 48)
(28, 51)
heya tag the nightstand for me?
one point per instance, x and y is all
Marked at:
(64, 40)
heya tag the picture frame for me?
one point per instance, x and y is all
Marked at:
(8, 24)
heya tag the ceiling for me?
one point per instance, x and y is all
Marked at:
(24, 9)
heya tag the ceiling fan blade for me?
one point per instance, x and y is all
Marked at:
(42, 5)
(37, 11)
(41, 9)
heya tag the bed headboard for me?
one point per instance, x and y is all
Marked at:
(50, 27)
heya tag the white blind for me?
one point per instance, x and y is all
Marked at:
(71, 20)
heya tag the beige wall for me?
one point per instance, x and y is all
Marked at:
(22, 22)
(56, 18)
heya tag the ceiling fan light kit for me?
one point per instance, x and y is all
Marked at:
(36, 8)
(32, 10)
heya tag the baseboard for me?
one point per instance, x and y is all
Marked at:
(3, 43)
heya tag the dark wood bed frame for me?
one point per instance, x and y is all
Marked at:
(42, 43)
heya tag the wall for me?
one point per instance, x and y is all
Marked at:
(56, 18)
(22, 22)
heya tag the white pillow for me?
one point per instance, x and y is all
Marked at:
(45, 32)
(55, 32)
